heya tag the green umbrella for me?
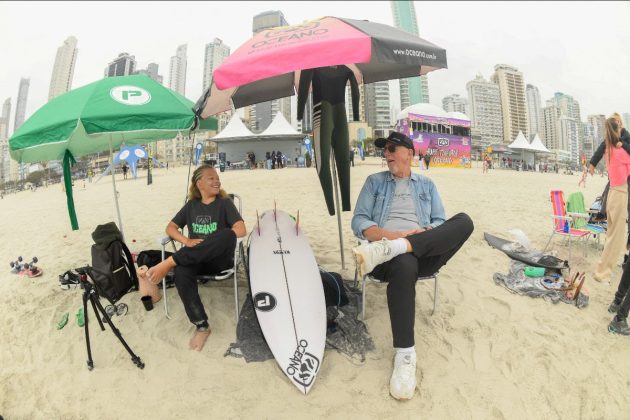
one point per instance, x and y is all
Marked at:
(102, 116)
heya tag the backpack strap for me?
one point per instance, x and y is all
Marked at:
(130, 265)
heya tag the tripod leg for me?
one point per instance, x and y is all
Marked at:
(98, 318)
(90, 362)
(135, 359)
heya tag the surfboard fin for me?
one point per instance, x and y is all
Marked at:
(297, 224)
(258, 220)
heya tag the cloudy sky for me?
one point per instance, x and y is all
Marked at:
(579, 48)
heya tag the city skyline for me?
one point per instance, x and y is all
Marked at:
(547, 58)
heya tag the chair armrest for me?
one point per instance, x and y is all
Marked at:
(562, 217)
(165, 240)
(579, 215)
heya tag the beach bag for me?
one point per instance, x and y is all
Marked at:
(113, 271)
(602, 209)
(334, 289)
(151, 257)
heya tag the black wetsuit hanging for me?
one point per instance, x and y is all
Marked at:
(330, 125)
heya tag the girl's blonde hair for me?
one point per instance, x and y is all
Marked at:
(193, 191)
(611, 134)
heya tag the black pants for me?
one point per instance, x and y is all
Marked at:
(622, 296)
(213, 255)
(431, 250)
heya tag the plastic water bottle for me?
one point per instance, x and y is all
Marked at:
(566, 226)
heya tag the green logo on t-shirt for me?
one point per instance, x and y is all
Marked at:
(204, 225)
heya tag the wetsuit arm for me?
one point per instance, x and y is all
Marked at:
(356, 97)
(306, 76)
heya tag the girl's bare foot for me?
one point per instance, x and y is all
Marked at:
(156, 273)
(198, 339)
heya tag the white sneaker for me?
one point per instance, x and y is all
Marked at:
(369, 255)
(402, 384)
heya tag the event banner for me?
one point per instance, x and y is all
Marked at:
(438, 120)
(446, 150)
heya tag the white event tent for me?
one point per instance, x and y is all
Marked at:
(521, 143)
(236, 140)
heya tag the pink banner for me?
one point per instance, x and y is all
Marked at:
(316, 43)
(446, 150)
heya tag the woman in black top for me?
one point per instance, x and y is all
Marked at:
(213, 225)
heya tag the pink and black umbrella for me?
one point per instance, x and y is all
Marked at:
(268, 65)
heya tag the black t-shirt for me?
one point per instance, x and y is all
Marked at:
(203, 220)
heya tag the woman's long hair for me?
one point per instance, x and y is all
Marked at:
(193, 191)
(611, 134)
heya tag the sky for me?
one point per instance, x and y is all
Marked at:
(578, 48)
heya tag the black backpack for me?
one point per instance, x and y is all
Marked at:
(113, 271)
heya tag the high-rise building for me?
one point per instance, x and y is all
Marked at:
(534, 111)
(123, 65)
(513, 104)
(550, 137)
(413, 90)
(262, 114)
(177, 74)
(377, 108)
(307, 118)
(598, 122)
(20, 107)
(216, 53)
(5, 117)
(4, 137)
(484, 106)
(152, 71)
(349, 112)
(63, 69)
(568, 124)
(589, 142)
(455, 103)
(626, 119)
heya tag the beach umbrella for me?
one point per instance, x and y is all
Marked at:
(269, 65)
(102, 116)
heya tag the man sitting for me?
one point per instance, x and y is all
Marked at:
(402, 216)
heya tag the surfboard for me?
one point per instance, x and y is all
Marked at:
(546, 261)
(288, 296)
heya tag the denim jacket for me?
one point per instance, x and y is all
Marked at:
(375, 200)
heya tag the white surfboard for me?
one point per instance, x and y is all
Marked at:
(288, 296)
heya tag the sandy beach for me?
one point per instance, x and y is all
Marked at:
(486, 353)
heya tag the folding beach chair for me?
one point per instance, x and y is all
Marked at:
(575, 204)
(205, 278)
(563, 223)
(368, 278)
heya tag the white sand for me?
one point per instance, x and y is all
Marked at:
(486, 353)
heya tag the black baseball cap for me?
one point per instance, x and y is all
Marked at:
(396, 138)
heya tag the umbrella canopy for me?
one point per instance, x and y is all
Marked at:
(101, 116)
(128, 109)
(268, 65)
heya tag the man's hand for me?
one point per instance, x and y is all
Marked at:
(414, 231)
(192, 242)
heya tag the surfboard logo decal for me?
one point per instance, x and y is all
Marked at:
(264, 301)
(303, 366)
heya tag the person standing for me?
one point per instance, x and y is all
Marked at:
(401, 213)
(352, 157)
(618, 164)
(125, 169)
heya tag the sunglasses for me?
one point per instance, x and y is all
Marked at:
(391, 148)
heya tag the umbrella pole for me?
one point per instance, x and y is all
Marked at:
(113, 171)
(334, 175)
